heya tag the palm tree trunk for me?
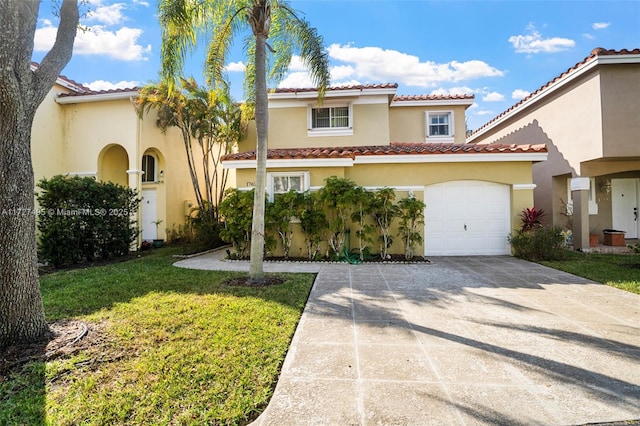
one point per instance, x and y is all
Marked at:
(256, 270)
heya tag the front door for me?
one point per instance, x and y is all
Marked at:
(149, 214)
(624, 206)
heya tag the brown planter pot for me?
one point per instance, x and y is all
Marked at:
(593, 240)
(613, 238)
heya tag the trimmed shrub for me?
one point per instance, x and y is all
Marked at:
(82, 220)
(539, 244)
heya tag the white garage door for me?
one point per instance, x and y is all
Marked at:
(467, 218)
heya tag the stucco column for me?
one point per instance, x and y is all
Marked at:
(580, 196)
(134, 183)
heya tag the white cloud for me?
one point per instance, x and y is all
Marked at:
(453, 91)
(107, 85)
(534, 43)
(141, 3)
(384, 66)
(297, 80)
(484, 112)
(600, 25)
(493, 97)
(110, 15)
(120, 44)
(588, 36)
(519, 94)
(235, 67)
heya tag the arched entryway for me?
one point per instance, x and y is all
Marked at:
(113, 163)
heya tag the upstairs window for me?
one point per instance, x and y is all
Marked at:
(330, 120)
(335, 117)
(149, 168)
(439, 124)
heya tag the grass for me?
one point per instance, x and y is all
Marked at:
(617, 270)
(177, 347)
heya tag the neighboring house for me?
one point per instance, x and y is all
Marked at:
(81, 132)
(415, 144)
(589, 118)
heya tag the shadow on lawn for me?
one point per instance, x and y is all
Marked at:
(85, 291)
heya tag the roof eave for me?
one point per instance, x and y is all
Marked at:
(98, 97)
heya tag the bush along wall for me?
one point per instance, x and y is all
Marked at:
(82, 220)
(336, 216)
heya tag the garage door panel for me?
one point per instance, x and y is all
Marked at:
(483, 207)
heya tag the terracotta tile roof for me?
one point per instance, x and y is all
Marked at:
(99, 92)
(400, 98)
(395, 148)
(595, 53)
(337, 88)
(66, 81)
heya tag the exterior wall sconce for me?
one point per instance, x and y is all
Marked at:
(606, 186)
(161, 173)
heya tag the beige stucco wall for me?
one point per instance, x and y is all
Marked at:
(47, 135)
(90, 127)
(408, 123)
(288, 128)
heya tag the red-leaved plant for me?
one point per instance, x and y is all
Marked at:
(531, 218)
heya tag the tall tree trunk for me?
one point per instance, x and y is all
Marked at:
(256, 270)
(21, 92)
(21, 311)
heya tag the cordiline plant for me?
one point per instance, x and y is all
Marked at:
(531, 218)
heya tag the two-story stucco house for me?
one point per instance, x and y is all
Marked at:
(415, 144)
(589, 118)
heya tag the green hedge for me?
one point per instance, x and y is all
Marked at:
(81, 219)
(539, 244)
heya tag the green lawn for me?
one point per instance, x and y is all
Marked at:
(617, 270)
(176, 347)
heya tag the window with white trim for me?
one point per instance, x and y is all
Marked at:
(330, 120)
(593, 205)
(283, 182)
(439, 124)
(149, 168)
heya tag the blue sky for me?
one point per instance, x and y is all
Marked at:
(498, 50)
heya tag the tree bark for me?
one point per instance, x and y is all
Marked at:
(256, 268)
(21, 92)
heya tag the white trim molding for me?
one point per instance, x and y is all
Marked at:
(83, 174)
(98, 97)
(523, 186)
(580, 184)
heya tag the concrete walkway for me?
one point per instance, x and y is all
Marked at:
(461, 341)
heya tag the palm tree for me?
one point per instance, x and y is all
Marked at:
(183, 21)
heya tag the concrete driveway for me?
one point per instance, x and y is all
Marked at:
(461, 341)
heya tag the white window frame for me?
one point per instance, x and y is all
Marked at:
(156, 165)
(440, 138)
(593, 204)
(305, 176)
(329, 131)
